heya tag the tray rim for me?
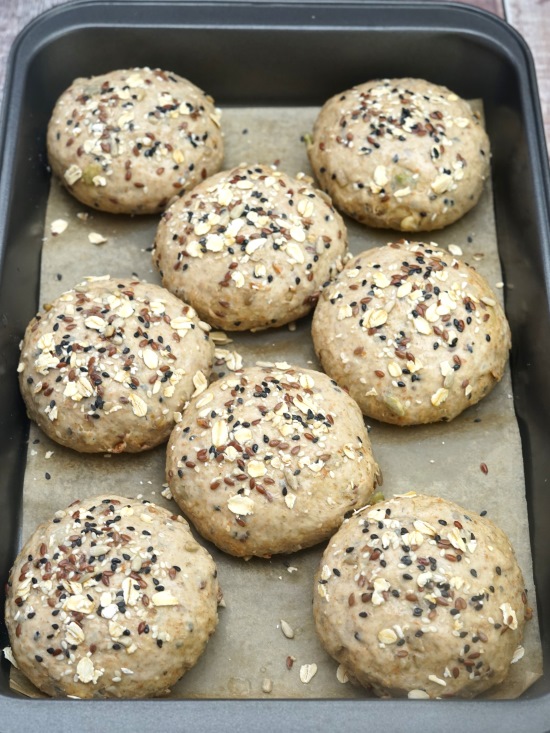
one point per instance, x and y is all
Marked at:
(295, 714)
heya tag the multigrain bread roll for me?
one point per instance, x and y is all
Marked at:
(418, 597)
(414, 334)
(112, 598)
(250, 248)
(401, 154)
(270, 460)
(107, 367)
(130, 140)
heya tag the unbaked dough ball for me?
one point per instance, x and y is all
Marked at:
(270, 460)
(415, 334)
(417, 596)
(112, 598)
(400, 154)
(130, 140)
(250, 248)
(107, 367)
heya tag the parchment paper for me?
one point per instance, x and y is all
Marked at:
(249, 653)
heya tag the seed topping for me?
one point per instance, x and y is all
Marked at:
(420, 319)
(99, 571)
(411, 576)
(103, 348)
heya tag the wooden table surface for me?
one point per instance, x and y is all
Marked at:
(530, 17)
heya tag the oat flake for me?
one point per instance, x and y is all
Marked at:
(139, 406)
(242, 505)
(150, 358)
(418, 695)
(164, 598)
(85, 670)
(342, 675)
(96, 238)
(256, 469)
(307, 673)
(58, 226)
(200, 382)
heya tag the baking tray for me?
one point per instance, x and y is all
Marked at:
(283, 54)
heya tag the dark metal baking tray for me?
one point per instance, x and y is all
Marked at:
(277, 53)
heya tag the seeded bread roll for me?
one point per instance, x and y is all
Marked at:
(417, 596)
(108, 366)
(270, 460)
(415, 334)
(400, 154)
(130, 140)
(112, 598)
(250, 247)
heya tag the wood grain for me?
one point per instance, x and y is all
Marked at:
(491, 6)
(532, 19)
(15, 14)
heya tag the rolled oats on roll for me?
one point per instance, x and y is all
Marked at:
(111, 598)
(417, 597)
(130, 140)
(250, 248)
(109, 365)
(401, 154)
(270, 460)
(414, 333)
